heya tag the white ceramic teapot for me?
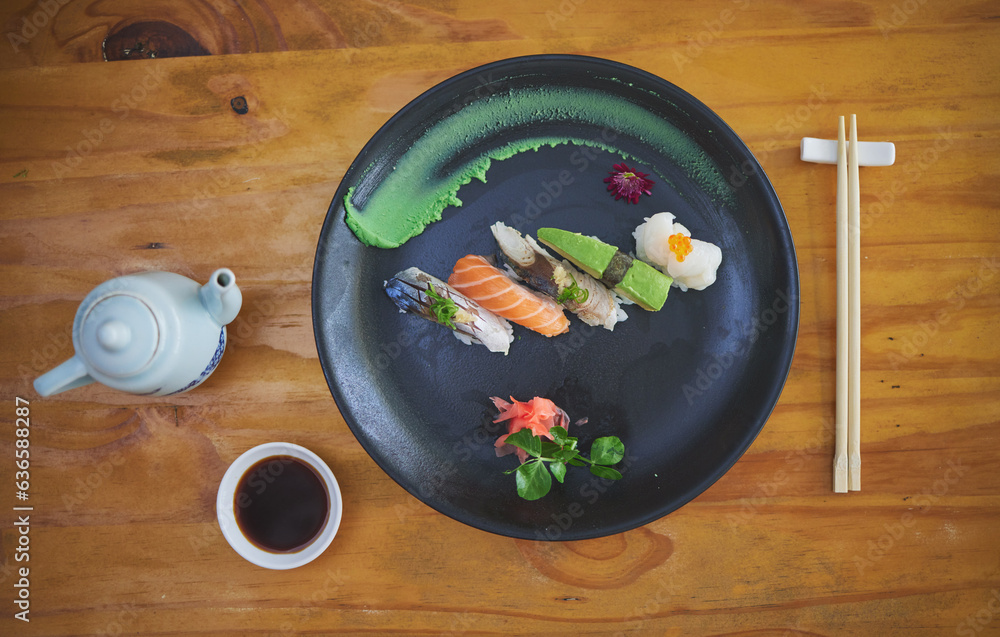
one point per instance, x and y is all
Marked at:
(153, 334)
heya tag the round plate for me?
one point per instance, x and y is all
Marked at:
(687, 389)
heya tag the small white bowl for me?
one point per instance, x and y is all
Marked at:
(225, 507)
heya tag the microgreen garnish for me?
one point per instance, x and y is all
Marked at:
(534, 481)
(573, 292)
(444, 309)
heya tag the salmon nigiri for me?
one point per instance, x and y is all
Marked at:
(475, 277)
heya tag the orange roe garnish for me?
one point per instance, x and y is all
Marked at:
(680, 245)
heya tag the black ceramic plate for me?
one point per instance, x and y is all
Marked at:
(687, 389)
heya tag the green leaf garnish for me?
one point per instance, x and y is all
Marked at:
(444, 309)
(534, 481)
(567, 455)
(559, 434)
(609, 450)
(573, 292)
(526, 440)
(549, 449)
(558, 470)
(605, 472)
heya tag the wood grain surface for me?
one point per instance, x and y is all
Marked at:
(109, 168)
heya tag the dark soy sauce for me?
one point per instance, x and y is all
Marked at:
(281, 504)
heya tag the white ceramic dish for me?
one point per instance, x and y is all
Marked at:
(225, 507)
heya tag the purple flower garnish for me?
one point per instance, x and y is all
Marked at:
(627, 183)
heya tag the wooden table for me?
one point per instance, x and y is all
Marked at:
(109, 168)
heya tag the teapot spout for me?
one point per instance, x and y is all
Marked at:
(68, 375)
(220, 296)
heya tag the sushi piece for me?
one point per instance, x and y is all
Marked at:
(668, 246)
(633, 279)
(417, 292)
(578, 292)
(480, 280)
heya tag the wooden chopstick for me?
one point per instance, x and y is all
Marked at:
(854, 331)
(840, 472)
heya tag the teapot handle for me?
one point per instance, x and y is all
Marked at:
(68, 375)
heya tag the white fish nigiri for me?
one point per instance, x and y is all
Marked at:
(668, 245)
(593, 302)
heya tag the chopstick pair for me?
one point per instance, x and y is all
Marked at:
(847, 457)
(848, 156)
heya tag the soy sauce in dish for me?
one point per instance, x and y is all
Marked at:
(281, 504)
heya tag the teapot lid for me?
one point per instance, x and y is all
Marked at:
(119, 335)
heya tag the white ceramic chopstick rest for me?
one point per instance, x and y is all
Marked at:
(824, 151)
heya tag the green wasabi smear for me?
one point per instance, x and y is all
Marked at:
(416, 192)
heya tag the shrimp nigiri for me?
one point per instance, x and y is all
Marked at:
(669, 246)
(477, 278)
